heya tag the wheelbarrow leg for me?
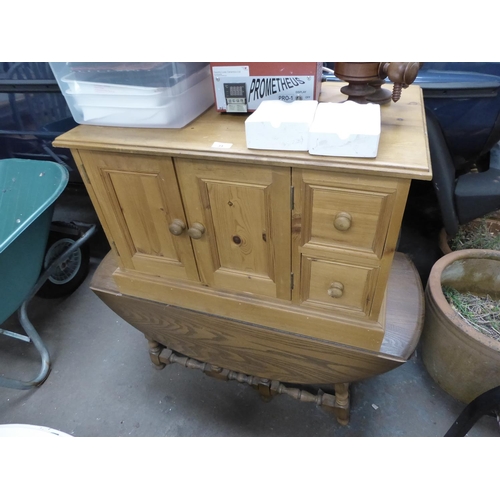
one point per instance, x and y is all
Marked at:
(40, 347)
(30, 330)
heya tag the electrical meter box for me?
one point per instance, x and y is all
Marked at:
(241, 87)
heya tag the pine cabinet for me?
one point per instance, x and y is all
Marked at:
(282, 240)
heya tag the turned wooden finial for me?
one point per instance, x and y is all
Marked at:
(358, 75)
(365, 79)
(401, 74)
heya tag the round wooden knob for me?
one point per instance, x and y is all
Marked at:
(342, 221)
(177, 227)
(196, 231)
(336, 290)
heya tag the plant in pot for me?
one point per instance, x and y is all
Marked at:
(461, 335)
(483, 233)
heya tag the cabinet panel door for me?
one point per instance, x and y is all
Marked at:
(139, 199)
(246, 214)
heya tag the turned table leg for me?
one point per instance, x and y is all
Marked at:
(155, 348)
(342, 403)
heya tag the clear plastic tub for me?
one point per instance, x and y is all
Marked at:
(157, 98)
(159, 95)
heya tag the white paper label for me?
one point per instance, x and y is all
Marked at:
(227, 71)
(221, 145)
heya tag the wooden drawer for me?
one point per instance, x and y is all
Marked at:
(342, 212)
(335, 285)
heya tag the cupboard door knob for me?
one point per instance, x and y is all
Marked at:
(177, 227)
(343, 221)
(196, 231)
(336, 290)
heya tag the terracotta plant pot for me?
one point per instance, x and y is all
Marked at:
(462, 361)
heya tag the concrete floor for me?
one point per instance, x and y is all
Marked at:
(103, 384)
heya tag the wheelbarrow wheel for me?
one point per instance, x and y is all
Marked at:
(71, 273)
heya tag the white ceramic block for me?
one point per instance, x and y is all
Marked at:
(281, 126)
(345, 129)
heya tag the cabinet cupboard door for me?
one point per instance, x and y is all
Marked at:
(139, 198)
(244, 216)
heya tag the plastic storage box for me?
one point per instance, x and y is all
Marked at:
(157, 95)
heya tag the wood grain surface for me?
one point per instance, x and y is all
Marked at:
(403, 148)
(138, 198)
(257, 245)
(273, 353)
(246, 213)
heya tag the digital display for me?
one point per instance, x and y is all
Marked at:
(235, 90)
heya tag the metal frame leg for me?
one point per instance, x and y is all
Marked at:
(30, 330)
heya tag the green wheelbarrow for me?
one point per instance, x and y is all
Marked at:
(28, 192)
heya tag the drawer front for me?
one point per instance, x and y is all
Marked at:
(338, 286)
(344, 213)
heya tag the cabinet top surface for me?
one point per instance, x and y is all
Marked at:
(403, 148)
